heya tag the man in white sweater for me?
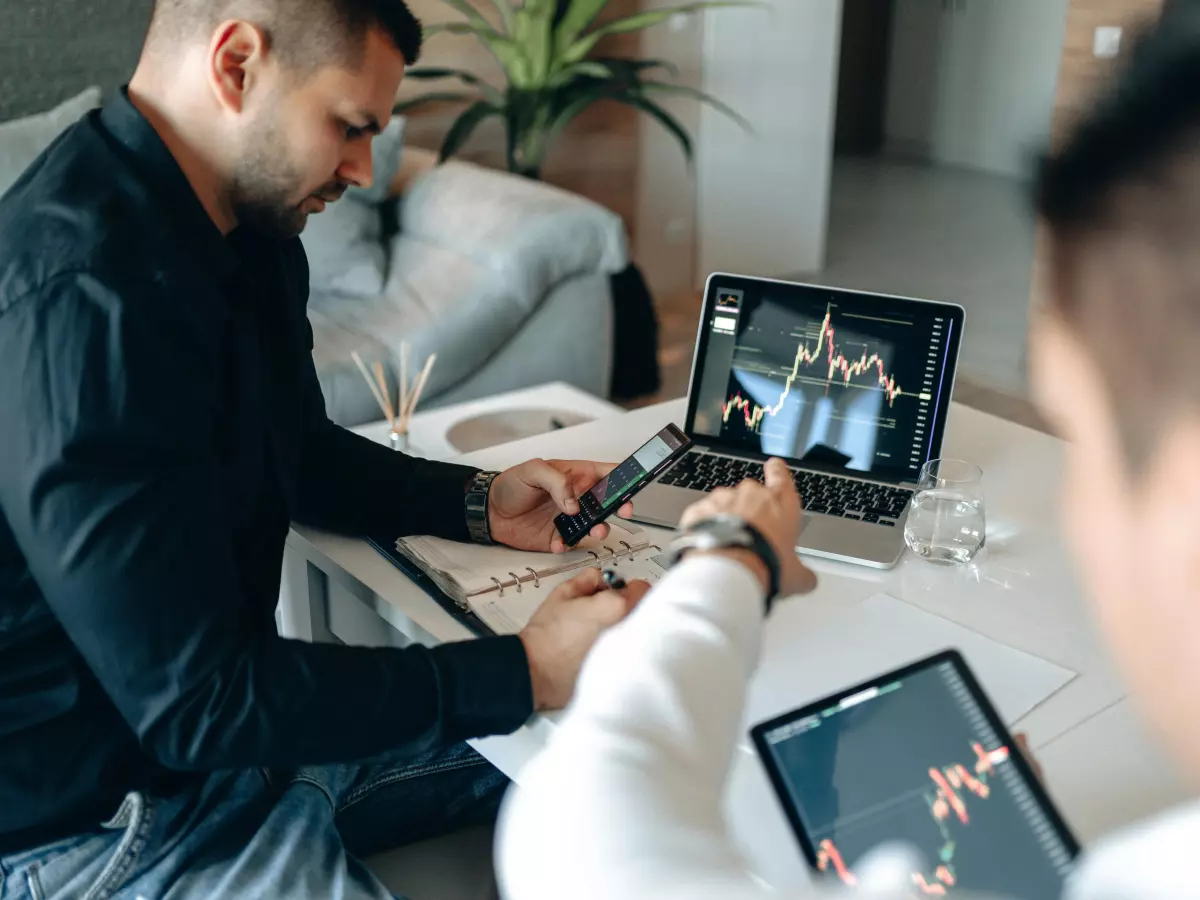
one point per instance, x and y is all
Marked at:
(625, 802)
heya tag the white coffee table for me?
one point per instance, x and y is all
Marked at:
(1101, 766)
(498, 419)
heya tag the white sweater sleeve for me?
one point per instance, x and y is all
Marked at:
(625, 801)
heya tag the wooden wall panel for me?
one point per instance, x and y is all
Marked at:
(597, 156)
(1082, 74)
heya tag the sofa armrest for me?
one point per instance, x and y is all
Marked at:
(533, 234)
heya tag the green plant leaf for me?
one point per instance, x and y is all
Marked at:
(506, 14)
(405, 106)
(585, 69)
(481, 30)
(531, 33)
(639, 21)
(580, 15)
(664, 118)
(506, 49)
(431, 73)
(470, 12)
(573, 104)
(680, 90)
(630, 69)
(464, 126)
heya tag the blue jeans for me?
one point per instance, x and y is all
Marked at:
(260, 833)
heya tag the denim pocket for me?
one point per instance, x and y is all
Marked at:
(96, 866)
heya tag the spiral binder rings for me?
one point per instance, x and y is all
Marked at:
(503, 588)
(595, 560)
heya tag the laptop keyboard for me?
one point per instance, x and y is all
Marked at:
(829, 495)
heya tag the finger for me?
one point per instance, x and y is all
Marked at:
(776, 475)
(600, 532)
(803, 579)
(583, 473)
(779, 482)
(586, 584)
(633, 594)
(698, 511)
(613, 606)
(626, 511)
(557, 544)
(554, 481)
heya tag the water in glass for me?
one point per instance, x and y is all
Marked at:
(946, 523)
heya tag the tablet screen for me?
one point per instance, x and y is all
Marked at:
(918, 757)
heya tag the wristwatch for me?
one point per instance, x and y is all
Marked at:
(478, 524)
(724, 532)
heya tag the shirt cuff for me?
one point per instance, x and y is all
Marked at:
(721, 590)
(486, 685)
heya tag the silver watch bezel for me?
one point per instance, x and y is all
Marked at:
(717, 533)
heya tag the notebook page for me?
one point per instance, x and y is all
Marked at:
(460, 569)
(512, 612)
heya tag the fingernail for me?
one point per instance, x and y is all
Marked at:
(572, 506)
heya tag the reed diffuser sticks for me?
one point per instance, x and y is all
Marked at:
(399, 416)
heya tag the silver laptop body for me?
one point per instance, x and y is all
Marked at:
(852, 389)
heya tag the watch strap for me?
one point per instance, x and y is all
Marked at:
(478, 522)
(762, 548)
(744, 536)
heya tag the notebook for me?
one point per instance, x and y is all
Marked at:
(502, 588)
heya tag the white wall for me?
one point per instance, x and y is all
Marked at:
(972, 82)
(665, 226)
(763, 198)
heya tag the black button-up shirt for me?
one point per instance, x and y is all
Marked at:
(160, 424)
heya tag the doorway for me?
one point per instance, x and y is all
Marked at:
(941, 108)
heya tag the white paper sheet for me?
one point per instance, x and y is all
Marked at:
(883, 633)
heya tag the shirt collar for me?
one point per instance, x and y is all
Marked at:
(158, 168)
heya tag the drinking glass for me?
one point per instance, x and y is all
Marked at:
(946, 523)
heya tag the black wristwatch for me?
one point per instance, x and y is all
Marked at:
(478, 524)
(724, 532)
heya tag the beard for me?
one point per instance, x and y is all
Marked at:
(266, 183)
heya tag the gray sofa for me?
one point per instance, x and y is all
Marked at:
(506, 280)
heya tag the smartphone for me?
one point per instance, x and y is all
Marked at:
(610, 492)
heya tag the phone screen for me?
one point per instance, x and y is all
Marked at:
(607, 495)
(609, 490)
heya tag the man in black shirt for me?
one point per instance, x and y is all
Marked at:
(160, 425)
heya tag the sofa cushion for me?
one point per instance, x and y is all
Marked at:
(345, 243)
(533, 234)
(23, 140)
(438, 301)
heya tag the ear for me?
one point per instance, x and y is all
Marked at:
(236, 57)
(1171, 494)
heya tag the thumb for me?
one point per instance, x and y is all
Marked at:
(616, 605)
(633, 594)
(778, 479)
(587, 583)
(541, 474)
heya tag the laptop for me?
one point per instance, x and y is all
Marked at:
(852, 389)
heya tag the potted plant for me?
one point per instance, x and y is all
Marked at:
(545, 49)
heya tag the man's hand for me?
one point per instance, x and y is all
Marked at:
(563, 630)
(774, 509)
(525, 499)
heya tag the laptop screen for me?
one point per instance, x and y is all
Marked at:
(838, 380)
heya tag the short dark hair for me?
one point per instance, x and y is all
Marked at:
(305, 33)
(1126, 183)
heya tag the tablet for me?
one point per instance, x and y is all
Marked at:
(918, 757)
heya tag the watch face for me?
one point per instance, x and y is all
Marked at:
(715, 533)
(724, 530)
